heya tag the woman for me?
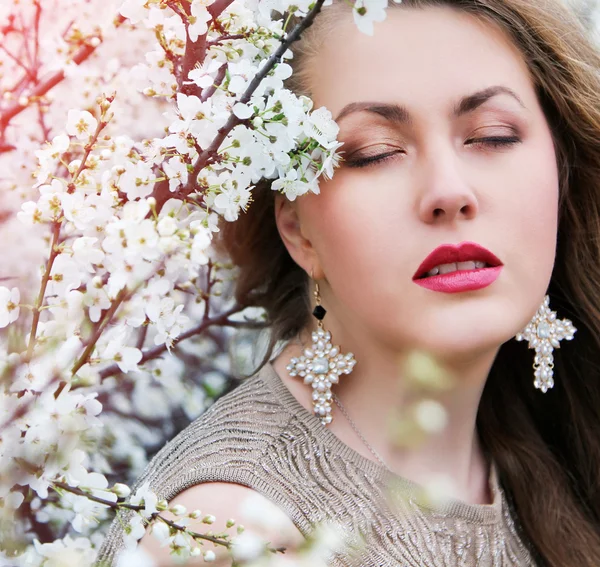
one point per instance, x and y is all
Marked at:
(473, 126)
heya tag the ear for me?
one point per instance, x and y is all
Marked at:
(299, 247)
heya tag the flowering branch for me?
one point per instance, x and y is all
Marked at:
(89, 46)
(138, 508)
(208, 155)
(154, 516)
(233, 120)
(221, 320)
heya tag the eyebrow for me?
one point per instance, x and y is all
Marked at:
(399, 114)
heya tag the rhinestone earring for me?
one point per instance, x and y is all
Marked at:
(321, 365)
(544, 332)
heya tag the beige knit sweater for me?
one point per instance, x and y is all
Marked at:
(261, 437)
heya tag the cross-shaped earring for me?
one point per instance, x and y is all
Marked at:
(544, 332)
(321, 365)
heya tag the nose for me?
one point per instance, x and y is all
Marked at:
(445, 194)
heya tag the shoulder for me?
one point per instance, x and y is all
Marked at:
(261, 519)
(224, 444)
(248, 443)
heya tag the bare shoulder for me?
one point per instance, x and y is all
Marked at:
(224, 501)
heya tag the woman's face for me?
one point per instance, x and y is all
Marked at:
(431, 180)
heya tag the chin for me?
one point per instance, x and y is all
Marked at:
(463, 339)
(454, 350)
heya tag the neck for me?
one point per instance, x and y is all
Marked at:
(380, 392)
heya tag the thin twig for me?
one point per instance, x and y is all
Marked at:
(156, 351)
(42, 121)
(207, 295)
(54, 79)
(45, 279)
(209, 91)
(30, 74)
(141, 339)
(108, 316)
(102, 123)
(227, 37)
(36, 36)
(23, 409)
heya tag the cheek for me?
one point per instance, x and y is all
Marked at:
(362, 237)
(534, 213)
(350, 225)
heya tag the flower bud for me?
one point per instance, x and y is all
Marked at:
(13, 358)
(230, 522)
(195, 514)
(209, 555)
(121, 490)
(160, 531)
(208, 519)
(178, 510)
(162, 505)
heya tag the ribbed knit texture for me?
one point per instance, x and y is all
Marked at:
(261, 437)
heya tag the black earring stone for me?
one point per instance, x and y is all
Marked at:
(319, 312)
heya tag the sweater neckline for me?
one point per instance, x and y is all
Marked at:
(478, 513)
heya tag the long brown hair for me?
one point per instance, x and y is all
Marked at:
(546, 446)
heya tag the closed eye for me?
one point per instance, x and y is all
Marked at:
(371, 160)
(490, 141)
(496, 141)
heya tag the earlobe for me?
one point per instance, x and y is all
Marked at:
(290, 229)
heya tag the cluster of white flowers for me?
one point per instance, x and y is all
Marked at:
(121, 226)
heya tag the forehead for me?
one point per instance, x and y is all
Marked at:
(425, 58)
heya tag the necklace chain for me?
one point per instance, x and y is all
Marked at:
(353, 425)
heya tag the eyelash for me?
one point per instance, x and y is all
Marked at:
(493, 141)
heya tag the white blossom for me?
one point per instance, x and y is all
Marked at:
(321, 126)
(161, 532)
(176, 171)
(81, 124)
(200, 16)
(126, 357)
(145, 497)
(9, 305)
(134, 531)
(134, 10)
(66, 552)
(368, 11)
(248, 546)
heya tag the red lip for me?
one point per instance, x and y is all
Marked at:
(451, 253)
